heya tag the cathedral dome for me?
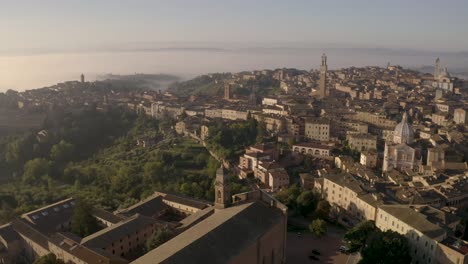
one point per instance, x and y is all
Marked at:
(403, 132)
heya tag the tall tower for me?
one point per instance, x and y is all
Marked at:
(227, 92)
(82, 78)
(323, 77)
(222, 190)
(437, 69)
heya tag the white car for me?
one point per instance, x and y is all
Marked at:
(343, 249)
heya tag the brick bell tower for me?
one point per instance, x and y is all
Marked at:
(222, 190)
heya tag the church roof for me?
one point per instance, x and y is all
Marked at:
(218, 238)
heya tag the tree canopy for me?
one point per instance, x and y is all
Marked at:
(159, 237)
(377, 246)
(83, 223)
(318, 227)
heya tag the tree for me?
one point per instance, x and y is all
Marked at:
(260, 131)
(62, 152)
(386, 247)
(160, 237)
(152, 171)
(358, 235)
(35, 169)
(306, 203)
(323, 209)
(49, 259)
(83, 223)
(318, 227)
(186, 189)
(288, 196)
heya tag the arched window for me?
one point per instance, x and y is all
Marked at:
(218, 196)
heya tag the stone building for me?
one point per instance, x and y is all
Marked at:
(254, 222)
(362, 142)
(369, 158)
(460, 116)
(317, 129)
(425, 227)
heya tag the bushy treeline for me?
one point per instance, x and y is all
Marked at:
(94, 155)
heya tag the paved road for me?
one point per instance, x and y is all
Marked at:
(299, 248)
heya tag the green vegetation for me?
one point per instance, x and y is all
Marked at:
(346, 150)
(83, 223)
(318, 227)
(159, 237)
(229, 141)
(357, 236)
(138, 81)
(202, 85)
(377, 246)
(306, 203)
(94, 155)
(323, 209)
(213, 84)
(303, 203)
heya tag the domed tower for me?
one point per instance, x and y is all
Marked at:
(403, 132)
(222, 190)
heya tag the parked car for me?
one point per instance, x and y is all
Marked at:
(343, 249)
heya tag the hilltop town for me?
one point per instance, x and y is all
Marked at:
(387, 145)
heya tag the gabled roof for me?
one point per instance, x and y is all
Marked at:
(147, 207)
(26, 230)
(218, 238)
(415, 219)
(106, 236)
(8, 234)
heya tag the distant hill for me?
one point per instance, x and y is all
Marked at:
(140, 80)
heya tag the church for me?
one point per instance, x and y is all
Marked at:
(243, 228)
(400, 152)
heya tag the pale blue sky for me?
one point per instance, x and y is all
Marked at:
(418, 24)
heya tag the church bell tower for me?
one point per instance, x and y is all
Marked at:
(323, 77)
(222, 190)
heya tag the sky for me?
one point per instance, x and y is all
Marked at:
(88, 24)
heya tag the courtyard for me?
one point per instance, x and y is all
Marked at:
(300, 245)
